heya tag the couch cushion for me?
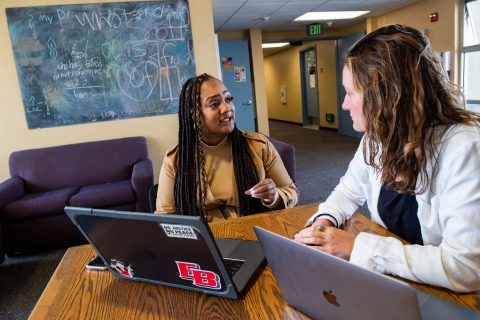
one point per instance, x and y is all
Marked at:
(104, 195)
(80, 164)
(36, 205)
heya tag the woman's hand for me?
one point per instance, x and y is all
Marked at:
(327, 238)
(264, 190)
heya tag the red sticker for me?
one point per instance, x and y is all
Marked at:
(199, 277)
(120, 267)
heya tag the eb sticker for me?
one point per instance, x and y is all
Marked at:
(179, 231)
(200, 278)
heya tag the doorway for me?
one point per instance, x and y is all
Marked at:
(308, 74)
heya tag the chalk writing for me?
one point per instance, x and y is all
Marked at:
(100, 62)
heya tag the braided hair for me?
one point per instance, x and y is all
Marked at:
(191, 183)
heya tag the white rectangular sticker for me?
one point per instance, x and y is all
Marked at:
(179, 231)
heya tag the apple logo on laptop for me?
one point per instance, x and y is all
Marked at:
(331, 297)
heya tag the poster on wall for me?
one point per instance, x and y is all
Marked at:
(240, 75)
(98, 62)
(312, 81)
(227, 62)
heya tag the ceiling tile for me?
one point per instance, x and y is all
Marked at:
(273, 2)
(346, 2)
(237, 15)
(225, 10)
(258, 9)
(220, 2)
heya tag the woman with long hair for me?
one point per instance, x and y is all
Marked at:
(417, 166)
(218, 171)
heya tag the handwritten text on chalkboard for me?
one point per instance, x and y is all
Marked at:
(98, 62)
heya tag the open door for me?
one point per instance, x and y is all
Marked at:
(308, 74)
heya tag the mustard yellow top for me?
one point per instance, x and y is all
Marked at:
(222, 201)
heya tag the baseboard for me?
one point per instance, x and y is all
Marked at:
(330, 129)
(285, 121)
(300, 124)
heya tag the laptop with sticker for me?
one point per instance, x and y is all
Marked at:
(170, 250)
(327, 287)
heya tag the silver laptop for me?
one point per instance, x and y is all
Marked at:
(170, 250)
(326, 287)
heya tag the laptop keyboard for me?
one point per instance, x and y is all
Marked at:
(232, 265)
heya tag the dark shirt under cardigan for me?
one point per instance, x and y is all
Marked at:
(399, 213)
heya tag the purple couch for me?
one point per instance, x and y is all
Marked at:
(2, 252)
(113, 174)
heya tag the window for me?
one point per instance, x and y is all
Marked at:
(471, 54)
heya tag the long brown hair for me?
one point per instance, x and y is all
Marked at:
(406, 94)
(191, 179)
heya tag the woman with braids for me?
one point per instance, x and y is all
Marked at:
(218, 171)
(417, 166)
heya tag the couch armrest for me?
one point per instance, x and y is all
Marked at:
(10, 190)
(142, 181)
(2, 249)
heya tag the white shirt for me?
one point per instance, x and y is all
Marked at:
(448, 212)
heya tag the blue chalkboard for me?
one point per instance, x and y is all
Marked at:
(99, 62)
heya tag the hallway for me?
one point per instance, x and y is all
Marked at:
(322, 158)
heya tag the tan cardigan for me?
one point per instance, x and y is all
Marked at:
(222, 200)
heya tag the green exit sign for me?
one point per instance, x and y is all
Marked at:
(314, 29)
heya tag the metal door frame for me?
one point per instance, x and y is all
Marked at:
(303, 84)
(340, 96)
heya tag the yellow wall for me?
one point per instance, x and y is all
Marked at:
(358, 27)
(443, 34)
(271, 36)
(283, 68)
(161, 131)
(327, 83)
(256, 54)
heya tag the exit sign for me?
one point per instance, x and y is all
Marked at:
(314, 29)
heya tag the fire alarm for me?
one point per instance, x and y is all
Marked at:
(433, 16)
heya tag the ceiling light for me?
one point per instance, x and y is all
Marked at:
(274, 45)
(330, 15)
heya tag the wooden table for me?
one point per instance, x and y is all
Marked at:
(77, 293)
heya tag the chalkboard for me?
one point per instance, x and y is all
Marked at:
(99, 62)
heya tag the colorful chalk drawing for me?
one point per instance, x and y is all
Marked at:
(99, 62)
